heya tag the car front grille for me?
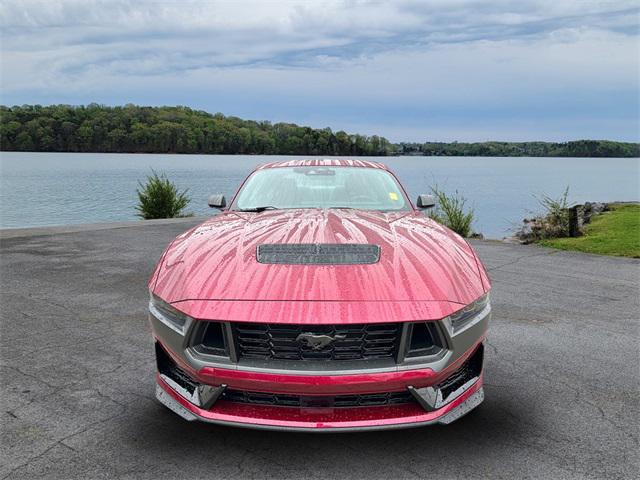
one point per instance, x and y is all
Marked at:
(301, 342)
(336, 401)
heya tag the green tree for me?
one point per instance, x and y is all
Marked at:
(132, 128)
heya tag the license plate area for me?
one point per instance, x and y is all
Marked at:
(315, 404)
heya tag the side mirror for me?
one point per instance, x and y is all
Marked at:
(426, 201)
(217, 201)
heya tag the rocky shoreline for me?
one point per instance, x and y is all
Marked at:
(568, 223)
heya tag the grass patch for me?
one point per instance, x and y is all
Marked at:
(616, 232)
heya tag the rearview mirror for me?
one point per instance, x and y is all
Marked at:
(426, 201)
(217, 201)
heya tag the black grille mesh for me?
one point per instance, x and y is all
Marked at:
(337, 401)
(471, 368)
(282, 342)
(166, 366)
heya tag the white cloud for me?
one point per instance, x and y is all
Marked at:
(424, 58)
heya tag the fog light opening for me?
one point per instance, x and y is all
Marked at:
(204, 396)
(437, 396)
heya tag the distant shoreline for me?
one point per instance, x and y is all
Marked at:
(180, 130)
(391, 155)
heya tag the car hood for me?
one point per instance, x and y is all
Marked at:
(420, 261)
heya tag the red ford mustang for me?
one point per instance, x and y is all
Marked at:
(320, 299)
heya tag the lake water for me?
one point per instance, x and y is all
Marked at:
(38, 189)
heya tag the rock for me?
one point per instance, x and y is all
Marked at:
(589, 209)
(512, 239)
(546, 226)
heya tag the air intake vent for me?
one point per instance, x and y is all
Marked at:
(318, 253)
(285, 400)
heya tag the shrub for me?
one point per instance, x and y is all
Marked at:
(552, 223)
(556, 214)
(450, 211)
(160, 198)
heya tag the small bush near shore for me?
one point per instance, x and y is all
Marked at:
(615, 232)
(160, 198)
(557, 215)
(553, 223)
(450, 211)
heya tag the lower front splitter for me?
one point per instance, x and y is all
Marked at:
(320, 420)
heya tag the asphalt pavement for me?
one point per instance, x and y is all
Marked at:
(77, 387)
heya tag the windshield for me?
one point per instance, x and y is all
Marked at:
(321, 187)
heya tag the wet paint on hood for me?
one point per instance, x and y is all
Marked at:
(420, 261)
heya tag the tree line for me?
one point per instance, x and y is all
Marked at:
(136, 129)
(577, 148)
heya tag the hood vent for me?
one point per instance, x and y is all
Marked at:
(318, 253)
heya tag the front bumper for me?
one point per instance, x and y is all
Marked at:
(439, 392)
(199, 395)
(334, 420)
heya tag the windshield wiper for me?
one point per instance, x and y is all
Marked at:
(258, 209)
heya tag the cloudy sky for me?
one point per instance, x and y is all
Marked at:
(409, 70)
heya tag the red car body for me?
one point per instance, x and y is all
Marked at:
(424, 273)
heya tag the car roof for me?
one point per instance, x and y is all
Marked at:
(324, 162)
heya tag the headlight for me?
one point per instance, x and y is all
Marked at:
(172, 318)
(468, 316)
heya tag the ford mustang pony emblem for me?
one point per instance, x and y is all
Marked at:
(317, 342)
